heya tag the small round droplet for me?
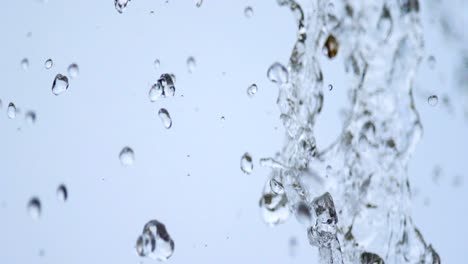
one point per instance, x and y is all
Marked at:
(11, 110)
(431, 61)
(330, 47)
(330, 87)
(198, 3)
(62, 193)
(156, 64)
(156, 91)
(48, 64)
(433, 100)
(121, 5)
(252, 90)
(165, 118)
(127, 156)
(30, 117)
(191, 64)
(34, 208)
(248, 12)
(277, 73)
(60, 84)
(246, 163)
(73, 70)
(25, 64)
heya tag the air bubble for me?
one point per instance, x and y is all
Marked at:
(191, 64)
(155, 242)
(11, 110)
(248, 12)
(73, 70)
(121, 5)
(252, 90)
(277, 73)
(48, 64)
(60, 84)
(165, 118)
(127, 156)
(62, 193)
(246, 163)
(433, 100)
(34, 208)
(25, 64)
(30, 117)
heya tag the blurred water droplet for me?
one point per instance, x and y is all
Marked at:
(246, 163)
(121, 5)
(431, 61)
(62, 193)
(330, 87)
(198, 3)
(156, 64)
(11, 110)
(223, 118)
(30, 117)
(433, 100)
(25, 64)
(248, 12)
(252, 90)
(60, 84)
(73, 70)
(155, 242)
(127, 156)
(191, 64)
(48, 63)
(165, 118)
(330, 47)
(34, 208)
(277, 73)
(292, 246)
(303, 214)
(156, 91)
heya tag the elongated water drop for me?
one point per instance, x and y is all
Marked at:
(252, 90)
(277, 73)
(11, 110)
(34, 208)
(246, 163)
(121, 5)
(127, 156)
(60, 84)
(431, 61)
(248, 12)
(62, 193)
(167, 83)
(433, 100)
(48, 64)
(191, 64)
(165, 118)
(73, 70)
(25, 64)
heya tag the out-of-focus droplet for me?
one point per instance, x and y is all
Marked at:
(303, 214)
(121, 5)
(246, 163)
(48, 64)
(11, 110)
(156, 91)
(127, 156)
(292, 246)
(330, 47)
(155, 242)
(274, 208)
(248, 12)
(156, 64)
(191, 64)
(34, 208)
(73, 70)
(330, 87)
(30, 117)
(1, 104)
(25, 64)
(60, 84)
(165, 118)
(277, 73)
(223, 119)
(431, 61)
(252, 90)
(62, 193)
(198, 3)
(433, 100)
(328, 170)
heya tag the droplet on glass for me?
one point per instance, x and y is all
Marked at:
(252, 90)
(25, 64)
(73, 70)
(48, 64)
(11, 110)
(34, 208)
(60, 84)
(191, 64)
(155, 242)
(156, 91)
(156, 64)
(30, 117)
(331, 46)
(431, 61)
(62, 193)
(127, 156)
(246, 163)
(165, 118)
(198, 3)
(248, 12)
(330, 87)
(121, 5)
(433, 100)
(277, 73)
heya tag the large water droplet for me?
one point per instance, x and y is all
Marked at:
(11, 110)
(248, 12)
(191, 64)
(155, 241)
(25, 64)
(60, 84)
(433, 100)
(127, 156)
(48, 64)
(252, 90)
(34, 208)
(198, 3)
(277, 73)
(165, 118)
(30, 117)
(156, 91)
(330, 47)
(73, 70)
(166, 81)
(62, 193)
(121, 5)
(246, 163)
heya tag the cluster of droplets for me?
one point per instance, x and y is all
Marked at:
(155, 242)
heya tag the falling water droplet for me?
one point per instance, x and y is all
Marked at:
(34, 208)
(156, 64)
(330, 87)
(431, 61)
(60, 84)
(11, 110)
(121, 5)
(48, 64)
(246, 163)
(433, 100)
(30, 117)
(165, 118)
(330, 47)
(62, 193)
(127, 156)
(155, 241)
(277, 73)
(191, 64)
(248, 12)
(156, 91)
(73, 70)
(198, 3)
(252, 90)
(25, 64)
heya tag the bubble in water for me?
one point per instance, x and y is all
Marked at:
(330, 47)
(277, 73)
(246, 163)
(156, 91)
(48, 64)
(11, 110)
(252, 90)
(165, 118)
(30, 117)
(127, 156)
(198, 3)
(431, 61)
(330, 87)
(191, 64)
(60, 84)
(248, 12)
(155, 242)
(433, 100)
(62, 193)
(156, 64)
(121, 5)
(34, 208)
(73, 70)
(25, 64)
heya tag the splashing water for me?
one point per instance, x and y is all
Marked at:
(355, 192)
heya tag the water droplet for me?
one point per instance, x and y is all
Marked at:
(166, 81)
(248, 12)
(191, 64)
(252, 90)
(246, 163)
(145, 244)
(223, 119)
(165, 118)
(25, 64)
(155, 241)
(48, 64)
(60, 84)
(11, 110)
(30, 117)
(330, 47)
(62, 193)
(156, 64)
(34, 208)
(431, 61)
(277, 73)
(198, 3)
(303, 214)
(127, 156)
(330, 87)
(156, 91)
(121, 5)
(73, 70)
(276, 186)
(433, 100)
(293, 244)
